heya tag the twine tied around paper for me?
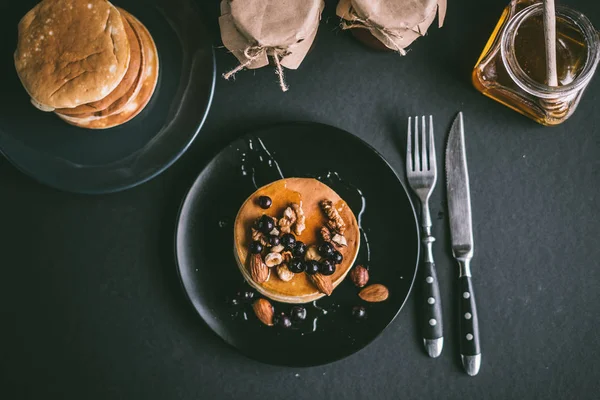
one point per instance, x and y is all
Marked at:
(253, 52)
(365, 24)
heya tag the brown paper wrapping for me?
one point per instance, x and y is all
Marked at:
(256, 30)
(395, 23)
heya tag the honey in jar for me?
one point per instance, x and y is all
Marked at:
(512, 66)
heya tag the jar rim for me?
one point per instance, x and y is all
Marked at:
(538, 89)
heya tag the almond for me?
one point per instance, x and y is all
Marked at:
(264, 311)
(323, 283)
(258, 269)
(374, 293)
(359, 275)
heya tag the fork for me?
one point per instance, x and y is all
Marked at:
(421, 172)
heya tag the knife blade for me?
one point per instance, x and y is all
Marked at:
(461, 234)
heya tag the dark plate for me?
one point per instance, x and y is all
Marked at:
(88, 161)
(204, 241)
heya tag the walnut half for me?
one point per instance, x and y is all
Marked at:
(293, 218)
(325, 234)
(258, 236)
(300, 219)
(336, 222)
(288, 219)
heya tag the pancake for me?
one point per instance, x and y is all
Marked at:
(148, 78)
(284, 192)
(119, 104)
(71, 52)
(129, 80)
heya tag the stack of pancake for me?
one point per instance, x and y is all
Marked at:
(93, 64)
(308, 192)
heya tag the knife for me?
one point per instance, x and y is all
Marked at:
(461, 233)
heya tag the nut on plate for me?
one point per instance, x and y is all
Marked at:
(300, 218)
(273, 259)
(258, 236)
(312, 253)
(323, 283)
(336, 222)
(288, 219)
(258, 269)
(325, 234)
(277, 249)
(284, 273)
(339, 240)
(359, 275)
(287, 256)
(374, 293)
(264, 311)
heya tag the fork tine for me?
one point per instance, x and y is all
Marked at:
(432, 164)
(409, 163)
(417, 163)
(424, 148)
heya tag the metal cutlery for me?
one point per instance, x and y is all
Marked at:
(421, 172)
(461, 233)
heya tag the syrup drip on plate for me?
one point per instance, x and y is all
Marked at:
(321, 311)
(259, 164)
(353, 196)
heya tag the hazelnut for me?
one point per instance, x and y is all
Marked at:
(359, 275)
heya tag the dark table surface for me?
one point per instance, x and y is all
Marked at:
(92, 308)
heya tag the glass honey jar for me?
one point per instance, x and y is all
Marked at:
(512, 66)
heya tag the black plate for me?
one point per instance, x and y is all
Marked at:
(204, 241)
(88, 161)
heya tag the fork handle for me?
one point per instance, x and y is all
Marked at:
(431, 304)
(431, 325)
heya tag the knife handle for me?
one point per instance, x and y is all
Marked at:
(432, 327)
(470, 349)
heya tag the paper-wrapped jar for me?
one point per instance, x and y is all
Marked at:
(258, 32)
(390, 24)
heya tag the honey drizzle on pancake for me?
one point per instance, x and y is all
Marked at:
(264, 168)
(346, 190)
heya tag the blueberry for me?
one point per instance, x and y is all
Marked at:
(246, 295)
(326, 267)
(256, 247)
(299, 249)
(283, 321)
(265, 202)
(288, 240)
(359, 312)
(298, 313)
(337, 257)
(297, 266)
(265, 224)
(326, 250)
(312, 267)
(274, 241)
